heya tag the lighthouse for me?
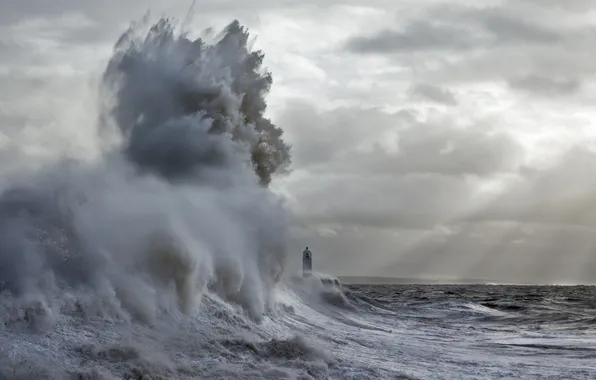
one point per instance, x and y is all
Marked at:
(306, 262)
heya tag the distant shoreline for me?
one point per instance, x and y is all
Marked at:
(367, 280)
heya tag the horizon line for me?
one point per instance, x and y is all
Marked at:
(352, 279)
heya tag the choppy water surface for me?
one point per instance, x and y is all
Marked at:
(492, 332)
(319, 332)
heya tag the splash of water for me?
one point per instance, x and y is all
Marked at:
(180, 206)
(175, 96)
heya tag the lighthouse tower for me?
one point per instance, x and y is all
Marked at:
(306, 262)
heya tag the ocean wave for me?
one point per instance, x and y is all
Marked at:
(179, 207)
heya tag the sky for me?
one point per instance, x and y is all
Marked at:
(441, 139)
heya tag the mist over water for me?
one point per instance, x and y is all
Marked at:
(180, 204)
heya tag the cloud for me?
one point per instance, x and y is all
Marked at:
(388, 170)
(561, 194)
(369, 141)
(456, 43)
(320, 137)
(415, 36)
(558, 6)
(506, 27)
(546, 86)
(456, 28)
(433, 93)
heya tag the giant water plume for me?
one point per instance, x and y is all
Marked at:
(179, 206)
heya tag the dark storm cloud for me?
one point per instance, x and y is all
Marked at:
(415, 36)
(530, 46)
(454, 28)
(507, 27)
(546, 86)
(433, 93)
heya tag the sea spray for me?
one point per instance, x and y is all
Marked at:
(174, 97)
(178, 207)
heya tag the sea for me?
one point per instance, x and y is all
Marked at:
(322, 329)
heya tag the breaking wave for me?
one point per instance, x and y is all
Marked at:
(178, 207)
